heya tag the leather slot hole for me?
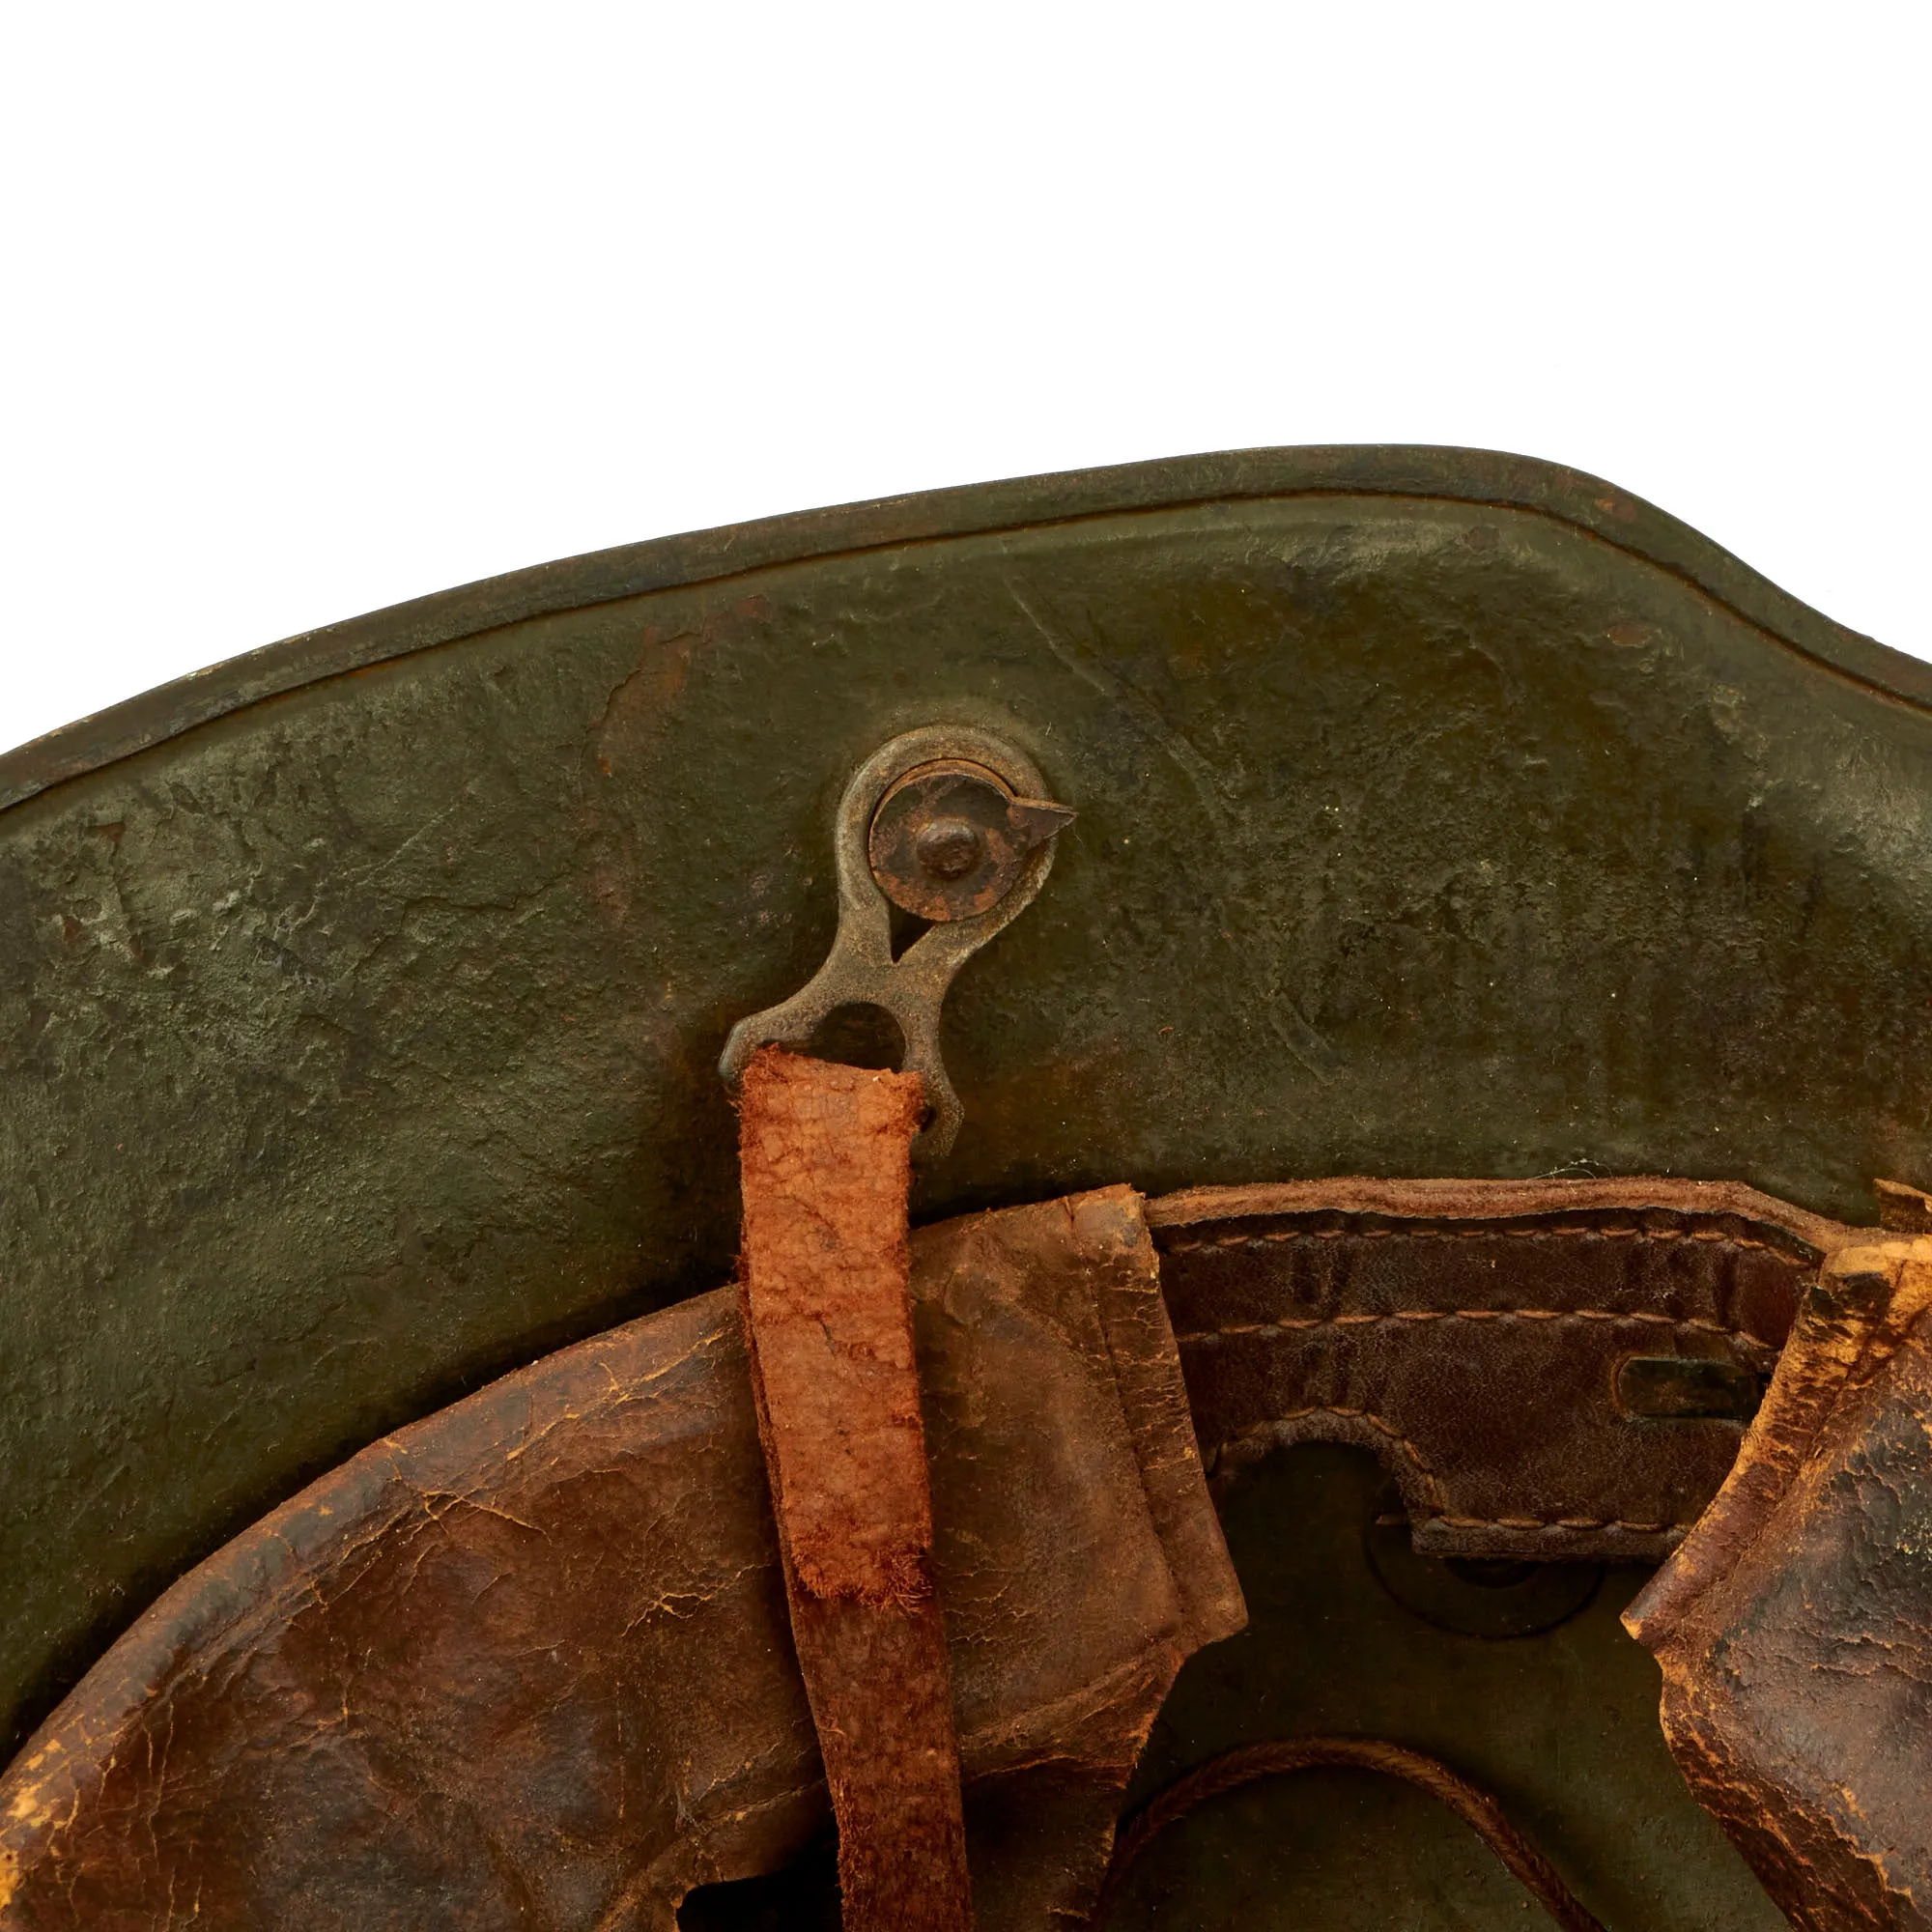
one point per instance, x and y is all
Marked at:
(1687, 1389)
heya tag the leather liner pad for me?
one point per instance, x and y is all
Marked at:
(529, 1661)
(1470, 1333)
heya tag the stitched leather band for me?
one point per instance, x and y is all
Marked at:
(1471, 1333)
(557, 1606)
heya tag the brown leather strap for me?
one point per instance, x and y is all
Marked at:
(825, 1156)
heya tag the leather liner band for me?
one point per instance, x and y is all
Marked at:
(1470, 1333)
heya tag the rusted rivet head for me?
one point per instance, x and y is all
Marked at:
(949, 848)
(950, 839)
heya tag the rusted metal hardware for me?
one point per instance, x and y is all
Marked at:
(953, 825)
(950, 840)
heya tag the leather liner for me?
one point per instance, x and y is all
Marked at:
(1470, 1334)
(529, 1660)
(531, 1655)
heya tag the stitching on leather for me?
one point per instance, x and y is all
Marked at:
(1477, 1231)
(1294, 1322)
(1551, 1525)
(1369, 1416)
(1558, 1523)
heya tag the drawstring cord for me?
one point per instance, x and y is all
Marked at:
(1233, 1769)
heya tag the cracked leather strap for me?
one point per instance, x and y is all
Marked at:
(1794, 1626)
(825, 1164)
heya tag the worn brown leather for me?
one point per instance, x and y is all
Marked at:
(1794, 1626)
(528, 1663)
(824, 1279)
(534, 1666)
(1470, 1333)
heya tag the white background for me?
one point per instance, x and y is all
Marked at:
(312, 309)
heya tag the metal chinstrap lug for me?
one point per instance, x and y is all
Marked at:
(953, 825)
